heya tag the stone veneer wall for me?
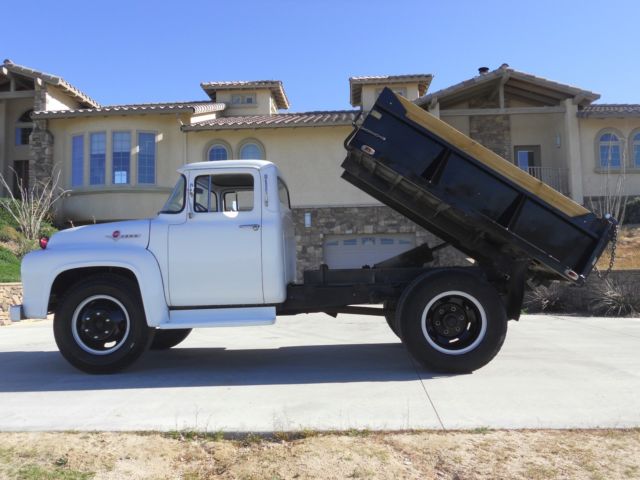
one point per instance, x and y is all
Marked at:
(10, 294)
(357, 221)
(41, 143)
(492, 131)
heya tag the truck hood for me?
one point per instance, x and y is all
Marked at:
(130, 233)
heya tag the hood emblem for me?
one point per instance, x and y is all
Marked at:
(116, 235)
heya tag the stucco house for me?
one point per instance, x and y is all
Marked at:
(119, 161)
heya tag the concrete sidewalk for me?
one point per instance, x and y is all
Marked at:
(317, 372)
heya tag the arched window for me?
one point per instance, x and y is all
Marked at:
(217, 151)
(609, 150)
(635, 149)
(252, 150)
(24, 127)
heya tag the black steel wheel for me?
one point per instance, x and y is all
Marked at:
(166, 339)
(100, 326)
(452, 321)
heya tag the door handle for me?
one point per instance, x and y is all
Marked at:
(253, 226)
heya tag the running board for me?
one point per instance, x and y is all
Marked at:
(220, 317)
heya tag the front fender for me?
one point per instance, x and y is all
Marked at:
(41, 268)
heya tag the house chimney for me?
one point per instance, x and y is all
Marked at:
(483, 70)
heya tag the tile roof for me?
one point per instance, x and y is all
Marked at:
(278, 120)
(196, 107)
(275, 86)
(356, 83)
(604, 110)
(504, 73)
(54, 80)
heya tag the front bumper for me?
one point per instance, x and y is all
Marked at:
(16, 313)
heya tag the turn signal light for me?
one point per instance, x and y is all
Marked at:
(44, 241)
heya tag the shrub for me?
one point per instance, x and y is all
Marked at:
(612, 298)
(35, 204)
(544, 299)
(9, 234)
(632, 214)
(5, 217)
(9, 266)
(46, 230)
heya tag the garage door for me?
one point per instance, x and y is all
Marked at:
(355, 251)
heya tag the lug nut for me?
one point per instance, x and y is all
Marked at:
(441, 311)
(438, 323)
(446, 332)
(453, 309)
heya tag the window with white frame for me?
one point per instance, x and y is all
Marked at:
(635, 150)
(121, 158)
(97, 158)
(217, 151)
(146, 158)
(251, 151)
(243, 99)
(77, 160)
(609, 150)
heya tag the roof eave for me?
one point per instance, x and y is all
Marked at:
(200, 128)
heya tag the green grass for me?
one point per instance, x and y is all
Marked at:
(37, 472)
(9, 266)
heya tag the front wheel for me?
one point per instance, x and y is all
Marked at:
(452, 321)
(100, 326)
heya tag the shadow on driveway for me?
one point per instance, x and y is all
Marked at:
(200, 367)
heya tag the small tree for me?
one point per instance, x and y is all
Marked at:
(34, 205)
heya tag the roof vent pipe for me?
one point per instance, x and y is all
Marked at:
(483, 70)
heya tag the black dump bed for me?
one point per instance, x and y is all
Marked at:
(470, 197)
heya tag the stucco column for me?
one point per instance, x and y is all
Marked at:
(572, 147)
(435, 110)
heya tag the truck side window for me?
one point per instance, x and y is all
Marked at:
(234, 191)
(283, 194)
(204, 198)
(238, 201)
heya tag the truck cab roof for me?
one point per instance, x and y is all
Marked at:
(259, 164)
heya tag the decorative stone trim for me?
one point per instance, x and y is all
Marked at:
(357, 221)
(10, 294)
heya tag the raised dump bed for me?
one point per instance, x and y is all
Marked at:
(472, 198)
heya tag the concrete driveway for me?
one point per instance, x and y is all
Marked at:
(316, 372)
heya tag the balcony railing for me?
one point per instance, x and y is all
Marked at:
(556, 178)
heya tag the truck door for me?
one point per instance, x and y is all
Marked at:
(215, 257)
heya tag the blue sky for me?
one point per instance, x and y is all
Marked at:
(143, 51)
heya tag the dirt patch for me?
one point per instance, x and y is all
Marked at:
(596, 454)
(627, 251)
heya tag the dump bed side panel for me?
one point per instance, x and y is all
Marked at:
(472, 198)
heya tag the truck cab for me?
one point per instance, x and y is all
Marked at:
(225, 236)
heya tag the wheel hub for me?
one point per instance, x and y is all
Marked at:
(453, 322)
(97, 324)
(449, 320)
(100, 325)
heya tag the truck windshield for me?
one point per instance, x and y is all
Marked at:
(175, 203)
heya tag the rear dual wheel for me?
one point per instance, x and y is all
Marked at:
(452, 321)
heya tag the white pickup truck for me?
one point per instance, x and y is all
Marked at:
(222, 252)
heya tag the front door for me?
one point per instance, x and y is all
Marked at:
(20, 177)
(215, 257)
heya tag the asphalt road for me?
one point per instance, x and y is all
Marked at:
(316, 372)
